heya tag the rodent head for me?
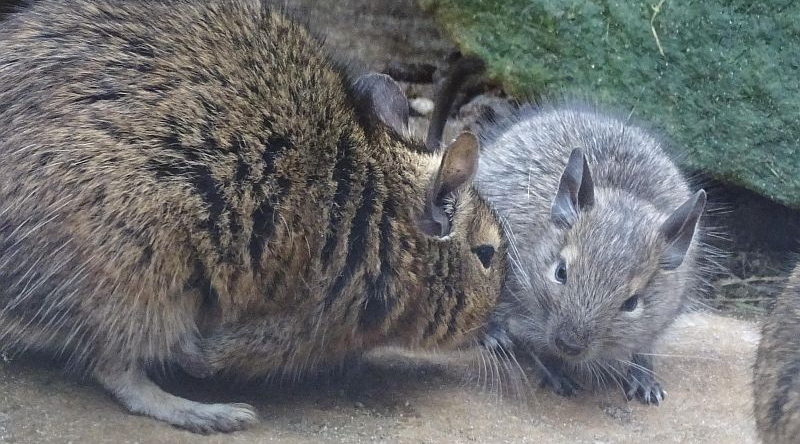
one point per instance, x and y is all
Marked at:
(458, 276)
(609, 275)
(463, 223)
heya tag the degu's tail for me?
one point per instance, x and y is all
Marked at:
(459, 72)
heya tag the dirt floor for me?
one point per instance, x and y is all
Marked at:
(705, 367)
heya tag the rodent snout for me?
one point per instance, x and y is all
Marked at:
(570, 342)
(569, 348)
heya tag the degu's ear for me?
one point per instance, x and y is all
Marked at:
(380, 98)
(575, 191)
(458, 168)
(679, 228)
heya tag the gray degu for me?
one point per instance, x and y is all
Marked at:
(199, 183)
(604, 238)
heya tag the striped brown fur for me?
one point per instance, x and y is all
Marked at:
(777, 369)
(198, 180)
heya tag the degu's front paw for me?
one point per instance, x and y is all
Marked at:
(561, 384)
(554, 376)
(644, 387)
(496, 338)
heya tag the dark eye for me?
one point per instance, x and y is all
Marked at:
(631, 303)
(561, 272)
(485, 254)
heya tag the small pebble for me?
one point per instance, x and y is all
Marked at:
(421, 105)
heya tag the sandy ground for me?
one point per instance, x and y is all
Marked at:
(705, 367)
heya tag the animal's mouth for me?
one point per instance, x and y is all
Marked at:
(574, 360)
(594, 356)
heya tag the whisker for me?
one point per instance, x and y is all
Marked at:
(512, 359)
(497, 386)
(665, 355)
(617, 379)
(641, 368)
(483, 375)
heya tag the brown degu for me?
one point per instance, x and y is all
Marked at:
(776, 381)
(604, 242)
(199, 183)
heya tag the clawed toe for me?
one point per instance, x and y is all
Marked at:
(641, 383)
(562, 385)
(648, 392)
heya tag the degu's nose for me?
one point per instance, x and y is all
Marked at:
(569, 348)
(569, 341)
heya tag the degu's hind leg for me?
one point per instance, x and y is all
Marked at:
(132, 387)
(169, 335)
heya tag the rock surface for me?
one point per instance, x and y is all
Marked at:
(375, 32)
(721, 79)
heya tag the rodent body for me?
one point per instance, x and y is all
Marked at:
(180, 169)
(604, 250)
(603, 246)
(777, 369)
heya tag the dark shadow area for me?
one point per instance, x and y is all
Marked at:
(380, 386)
(9, 6)
(754, 223)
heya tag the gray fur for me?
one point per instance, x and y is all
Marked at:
(613, 249)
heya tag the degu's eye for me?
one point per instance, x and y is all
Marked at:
(631, 303)
(561, 272)
(485, 254)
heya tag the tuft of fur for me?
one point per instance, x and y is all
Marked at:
(197, 182)
(776, 372)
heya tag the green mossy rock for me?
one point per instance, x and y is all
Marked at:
(726, 88)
